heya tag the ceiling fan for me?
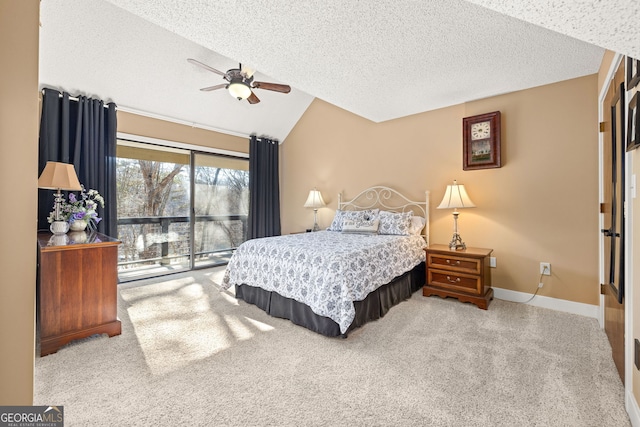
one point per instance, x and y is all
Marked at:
(240, 82)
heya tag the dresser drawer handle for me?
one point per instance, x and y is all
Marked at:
(449, 262)
(453, 281)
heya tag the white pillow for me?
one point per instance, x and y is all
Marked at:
(340, 216)
(360, 226)
(395, 223)
(417, 224)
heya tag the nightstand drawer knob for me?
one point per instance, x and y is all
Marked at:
(453, 281)
(449, 262)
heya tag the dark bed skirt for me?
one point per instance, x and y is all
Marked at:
(373, 307)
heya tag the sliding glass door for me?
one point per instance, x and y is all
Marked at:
(221, 205)
(177, 209)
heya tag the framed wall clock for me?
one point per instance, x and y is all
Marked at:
(481, 141)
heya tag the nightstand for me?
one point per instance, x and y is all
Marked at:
(464, 274)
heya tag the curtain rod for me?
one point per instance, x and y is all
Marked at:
(75, 98)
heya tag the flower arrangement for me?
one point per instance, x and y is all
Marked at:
(82, 209)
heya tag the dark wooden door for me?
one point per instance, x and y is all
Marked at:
(613, 209)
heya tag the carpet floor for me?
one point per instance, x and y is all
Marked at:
(191, 354)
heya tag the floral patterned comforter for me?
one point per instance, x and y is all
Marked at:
(325, 270)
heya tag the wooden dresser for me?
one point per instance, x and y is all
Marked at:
(77, 287)
(464, 274)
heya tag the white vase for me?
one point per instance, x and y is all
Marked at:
(59, 227)
(78, 225)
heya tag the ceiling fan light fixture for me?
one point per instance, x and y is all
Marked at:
(241, 82)
(239, 89)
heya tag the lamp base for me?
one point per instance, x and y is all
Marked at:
(456, 243)
(315, 220)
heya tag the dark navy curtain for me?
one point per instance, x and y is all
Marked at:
(264, 188)
(83, 133)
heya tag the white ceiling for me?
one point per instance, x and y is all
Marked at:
(381, 59)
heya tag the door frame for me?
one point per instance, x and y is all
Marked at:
(628, 233)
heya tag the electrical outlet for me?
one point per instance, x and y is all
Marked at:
(545, 268)
(492, 261)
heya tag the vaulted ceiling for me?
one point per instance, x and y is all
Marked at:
(381, 59)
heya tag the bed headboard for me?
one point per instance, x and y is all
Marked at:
(388, 199)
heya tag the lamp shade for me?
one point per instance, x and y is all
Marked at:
(456, 197)
(239, 89)
(314, 200)
(60, 176)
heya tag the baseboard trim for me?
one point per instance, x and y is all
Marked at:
(582, 309)
(632, 409)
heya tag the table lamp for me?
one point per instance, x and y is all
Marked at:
(59, 176)
(314, 201)
(456, 197)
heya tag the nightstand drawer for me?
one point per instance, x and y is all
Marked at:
(454, 263)
(455, 281)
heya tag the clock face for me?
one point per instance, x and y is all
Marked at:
(480, 130)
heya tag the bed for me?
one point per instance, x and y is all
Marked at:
(333, 281)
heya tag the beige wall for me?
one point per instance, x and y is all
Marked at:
(153, 128)
(542, 205)
(18, 190)
(604, 69)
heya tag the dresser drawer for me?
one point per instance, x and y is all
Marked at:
(455, 281)
(454, 263)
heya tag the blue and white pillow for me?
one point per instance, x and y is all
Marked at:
(395, 223)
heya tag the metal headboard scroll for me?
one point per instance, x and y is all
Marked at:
(388, 199)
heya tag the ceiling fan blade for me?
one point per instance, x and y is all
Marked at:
(205, 66)
(253, 99)
(272, 86)
(210, 88)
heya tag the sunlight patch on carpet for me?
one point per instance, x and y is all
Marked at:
(231, 299)
(179, 322)
(259, 325)
(244, 328)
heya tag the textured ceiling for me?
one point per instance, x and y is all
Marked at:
(380, 59)
(611, 24)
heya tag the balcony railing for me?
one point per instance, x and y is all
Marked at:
(231, 235)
